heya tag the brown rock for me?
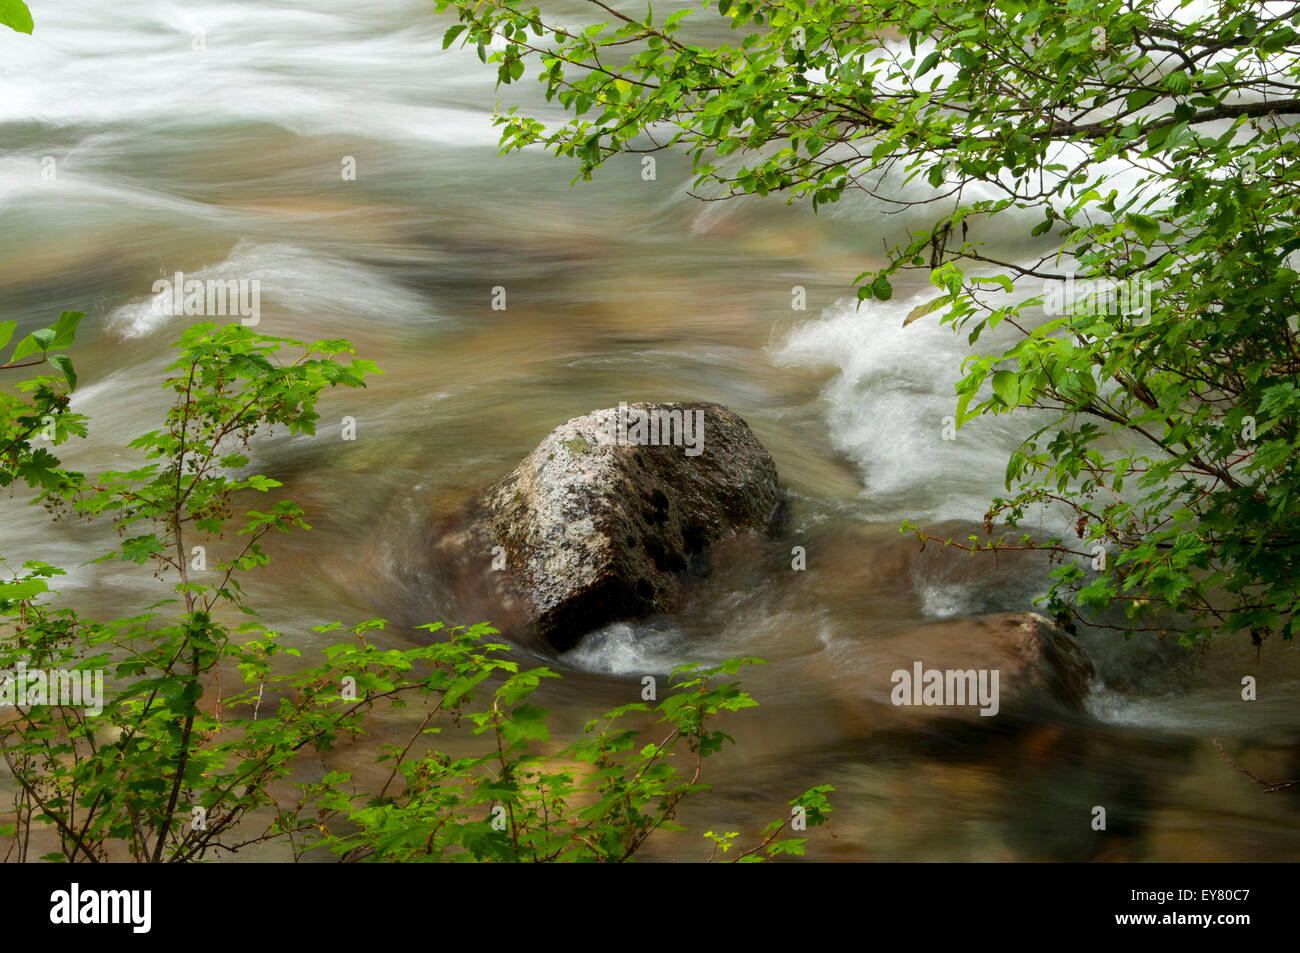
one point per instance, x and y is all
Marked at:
(1036, 663)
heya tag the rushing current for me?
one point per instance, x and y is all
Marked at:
(212, 139)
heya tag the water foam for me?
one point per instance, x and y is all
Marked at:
(292, 278)
(885, 407)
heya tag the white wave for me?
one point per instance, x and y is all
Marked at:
(886, 406)
(356, 70)
(620, 649)
(291, 279)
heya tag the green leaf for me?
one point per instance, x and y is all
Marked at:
(22, 590)
(1147, 229)
(139, 549)
(263, 483)
(1139, 98)
(1006, 384)
(1178, 83)
(929, 63)
(449, 37)
(63, 363)
(65, 329)
(36, 341)
(922, 310)
(15, 15)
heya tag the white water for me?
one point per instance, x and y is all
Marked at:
(225, 163)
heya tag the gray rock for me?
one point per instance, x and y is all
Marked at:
(597, 526)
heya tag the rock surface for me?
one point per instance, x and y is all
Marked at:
(1037, 664)
(597, 524)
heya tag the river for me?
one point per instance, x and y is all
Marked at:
(211, 138)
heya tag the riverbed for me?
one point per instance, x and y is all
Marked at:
(216, 140)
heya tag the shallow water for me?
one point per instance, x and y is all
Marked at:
(225, 162)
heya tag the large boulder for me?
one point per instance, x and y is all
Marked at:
(613, 510)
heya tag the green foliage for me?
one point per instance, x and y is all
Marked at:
(596, 800)
(42, 415)
(116, 778)
(1145, 146)
(169, 762)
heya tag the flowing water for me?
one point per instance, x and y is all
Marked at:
(145, 139)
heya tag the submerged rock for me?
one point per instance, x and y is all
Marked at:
(611, 512)
(1005, 664)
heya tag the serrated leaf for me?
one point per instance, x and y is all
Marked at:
(1147, 229)
(449, 37)
(1178, 83)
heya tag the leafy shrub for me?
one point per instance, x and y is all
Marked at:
(172, 769)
